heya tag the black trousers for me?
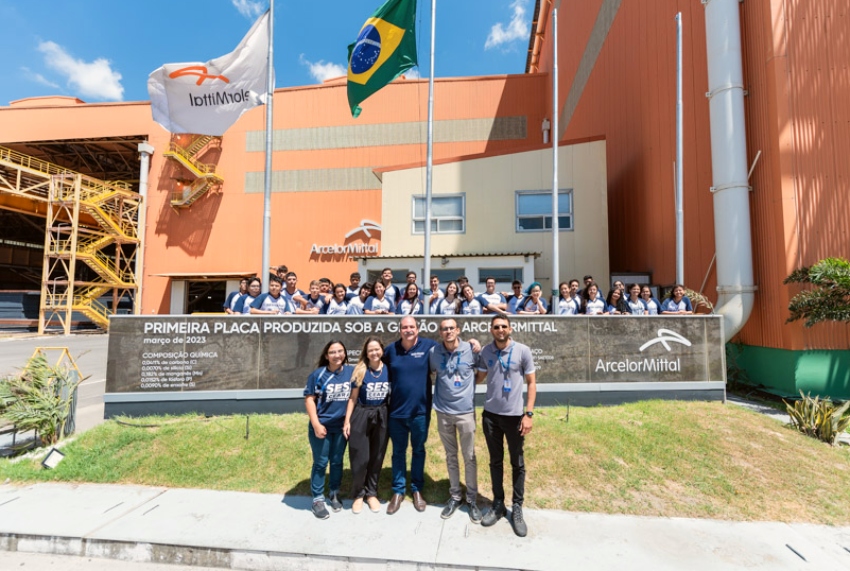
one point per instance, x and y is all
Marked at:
(367, 445)
(497, 428)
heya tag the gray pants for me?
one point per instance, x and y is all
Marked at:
(450, 427)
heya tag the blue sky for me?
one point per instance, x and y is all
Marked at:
(103, 50)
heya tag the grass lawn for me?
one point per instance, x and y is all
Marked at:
(659, 458)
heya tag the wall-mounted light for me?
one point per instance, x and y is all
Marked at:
(546, 127)
(444, 261)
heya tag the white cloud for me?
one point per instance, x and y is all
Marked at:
(517, 28)
(38, 78)
(412, 73)
(322, 70)
(249, 8)
(96, 79)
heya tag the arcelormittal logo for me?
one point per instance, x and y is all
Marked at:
(197, 70)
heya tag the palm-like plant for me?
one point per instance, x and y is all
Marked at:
(829, 300)
(39, 399)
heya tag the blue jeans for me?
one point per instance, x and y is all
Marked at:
(414, 430)
(331, 449)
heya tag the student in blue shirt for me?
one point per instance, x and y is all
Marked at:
(637, 306)
(591, 302)
(338, 304)
(569, 302)
(615, 304)
(378, 303)
(450, 304)
(271, 303)
(366, 424)
(533, 304)
(326, 399)
(243, 304)
(653, 306)
(411, 302)
(678, 303)
(233, 297)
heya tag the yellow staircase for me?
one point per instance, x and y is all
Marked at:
(89, 220)
(205, 177)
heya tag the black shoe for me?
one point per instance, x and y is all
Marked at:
(319, 509)
(336, 504)
(450, 508)
(519, 523)
(495, 514)
(474, 512)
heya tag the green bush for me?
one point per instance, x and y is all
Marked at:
(39, 399)
(819, 418)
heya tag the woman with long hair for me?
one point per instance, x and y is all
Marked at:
(366, 423)
(326, 399)
(591, 303)
(410, 303)
(615, 304)
(569, 302)
(469, 304)
(533, 304)
(450, 304)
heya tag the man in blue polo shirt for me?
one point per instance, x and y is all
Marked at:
(410, 409)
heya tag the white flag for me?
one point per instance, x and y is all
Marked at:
(207, 98)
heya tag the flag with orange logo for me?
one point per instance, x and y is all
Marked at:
(385, 48)
(207, 98)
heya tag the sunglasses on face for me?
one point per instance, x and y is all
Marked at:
(498, 327)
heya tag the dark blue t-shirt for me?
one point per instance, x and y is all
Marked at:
(331, 391)
(375, 388)
(410, 378)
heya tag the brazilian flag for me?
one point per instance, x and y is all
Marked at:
(385, 48)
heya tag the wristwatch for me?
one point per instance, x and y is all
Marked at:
(529, 413)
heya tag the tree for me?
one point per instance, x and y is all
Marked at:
(829, 299)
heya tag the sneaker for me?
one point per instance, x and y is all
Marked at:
(373, 504)
(357, 506)
(495, 514)
(450, 508)
(474, 512)
(319, 509)
(519, 523)
(336, 504)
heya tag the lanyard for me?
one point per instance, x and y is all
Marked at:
(447, 360)
(325, 383)
(505, 367)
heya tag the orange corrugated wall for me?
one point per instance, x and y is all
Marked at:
(796, 73)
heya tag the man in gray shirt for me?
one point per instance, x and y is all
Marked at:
(454, 363)
(507, 366)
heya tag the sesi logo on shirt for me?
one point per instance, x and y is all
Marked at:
(377, 391)
(339, 391)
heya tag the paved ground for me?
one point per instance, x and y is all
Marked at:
(261, 531)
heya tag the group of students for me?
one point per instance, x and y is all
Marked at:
(457, 298)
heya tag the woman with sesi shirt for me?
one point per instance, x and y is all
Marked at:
(591, 303)
(378, 304)
(470, 305)
(326, 400)
(410, 303)
(366, 424)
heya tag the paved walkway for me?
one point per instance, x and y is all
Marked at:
(260, 531)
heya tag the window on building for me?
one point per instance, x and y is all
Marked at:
(502, 275)
(445, 276)
(448, 214)
(534, 210)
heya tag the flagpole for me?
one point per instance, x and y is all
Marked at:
(555, 222)
(680, 216)
(267, 188)
(429, 168)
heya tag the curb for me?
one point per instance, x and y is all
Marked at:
(209, 557)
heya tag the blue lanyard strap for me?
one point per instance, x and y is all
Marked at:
(505, 367)
(325, 383)
(446, 362)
